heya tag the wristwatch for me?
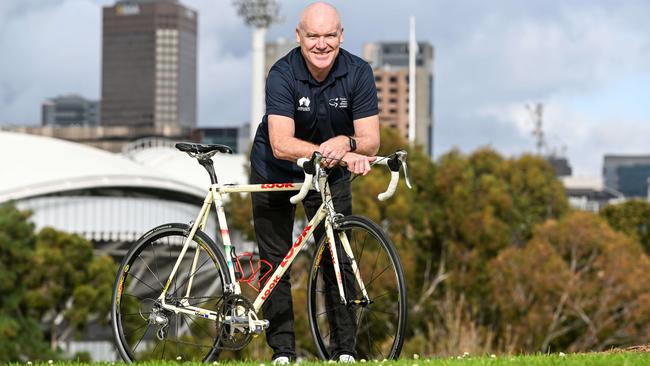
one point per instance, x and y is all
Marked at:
(353, 143)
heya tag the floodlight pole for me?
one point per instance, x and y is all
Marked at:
(259, 14)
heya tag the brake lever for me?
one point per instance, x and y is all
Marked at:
(401, 155)
(316, 158)
(406, 175)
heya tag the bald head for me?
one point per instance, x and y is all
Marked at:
(319, 34)
(319, 12)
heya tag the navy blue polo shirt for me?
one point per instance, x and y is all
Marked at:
(320, 110)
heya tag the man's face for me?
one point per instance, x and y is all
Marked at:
(320, 36)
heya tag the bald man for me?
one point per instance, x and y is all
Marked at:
(319, 97)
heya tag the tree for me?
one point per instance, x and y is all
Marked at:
(574, 286)
(20, 334)
(632, 218)
(67, 285)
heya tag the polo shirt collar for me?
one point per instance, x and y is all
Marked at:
(301, 72)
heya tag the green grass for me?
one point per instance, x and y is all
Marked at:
(586, 359)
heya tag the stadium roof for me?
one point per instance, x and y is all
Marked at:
(230, 169)
(34, 166)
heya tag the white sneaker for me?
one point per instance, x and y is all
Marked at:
(282, 360)
(344, 358)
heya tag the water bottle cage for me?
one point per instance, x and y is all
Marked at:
(254, 279)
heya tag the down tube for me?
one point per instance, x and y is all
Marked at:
(288, 259)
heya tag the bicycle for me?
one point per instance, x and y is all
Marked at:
(177, 294)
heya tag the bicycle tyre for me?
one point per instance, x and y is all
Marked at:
(389, 326)
(133, 270)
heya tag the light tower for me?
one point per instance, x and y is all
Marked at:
(259, 14)
(537, 115)
(413, 51)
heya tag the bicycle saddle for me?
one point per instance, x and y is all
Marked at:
(190, 147)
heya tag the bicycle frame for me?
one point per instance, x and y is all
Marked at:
(215, 195)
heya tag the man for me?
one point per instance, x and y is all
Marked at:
(319, 97)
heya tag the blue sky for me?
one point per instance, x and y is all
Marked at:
(587, 61)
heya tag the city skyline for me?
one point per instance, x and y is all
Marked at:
(586, 61)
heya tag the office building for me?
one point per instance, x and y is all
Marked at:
(237, 138)
(149, 50)
(275, 51)
(627, 174)
(390, 61)
(560, 165)
(70, 110)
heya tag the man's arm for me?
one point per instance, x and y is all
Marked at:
(366, 134)
(284, 145)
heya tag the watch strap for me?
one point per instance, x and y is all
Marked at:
(353, 143)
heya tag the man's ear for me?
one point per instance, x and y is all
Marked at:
(297, 35)
(342, 35)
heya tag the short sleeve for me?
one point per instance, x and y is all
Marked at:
(364, 97)
(279, 94)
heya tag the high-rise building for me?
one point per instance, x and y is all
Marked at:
(149, 52)
(627, 174)
(390, 61)
(70, 110)
(275, 51)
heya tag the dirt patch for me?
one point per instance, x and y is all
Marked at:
(642, 348)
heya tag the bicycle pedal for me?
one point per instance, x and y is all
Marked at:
(258, 326)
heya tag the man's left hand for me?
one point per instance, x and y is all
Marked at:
(333, 150)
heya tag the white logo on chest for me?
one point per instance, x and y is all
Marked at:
(340, 102)
(303, 104)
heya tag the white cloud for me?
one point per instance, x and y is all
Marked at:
(491, 59)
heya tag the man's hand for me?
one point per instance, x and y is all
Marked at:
(333, 150)
(357, 163)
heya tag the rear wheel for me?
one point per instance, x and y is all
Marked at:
(143, 329)
(375, 326)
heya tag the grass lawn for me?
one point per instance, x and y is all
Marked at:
(586, 359)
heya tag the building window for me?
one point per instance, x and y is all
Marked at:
(392, 110)
(393, 79)
(393, 100)
(392, 90)
(377, 78)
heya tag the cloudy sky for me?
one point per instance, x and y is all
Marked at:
(587, 61)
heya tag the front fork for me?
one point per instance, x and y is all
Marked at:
(331, 224)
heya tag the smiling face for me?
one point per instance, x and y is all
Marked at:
(320, 35)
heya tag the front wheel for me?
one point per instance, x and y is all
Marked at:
(143, 329)
(371, 328)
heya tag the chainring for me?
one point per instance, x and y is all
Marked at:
(230, 337)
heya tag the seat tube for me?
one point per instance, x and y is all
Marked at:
(225, 236)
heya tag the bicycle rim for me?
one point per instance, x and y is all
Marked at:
(378, 327)
(141, 279)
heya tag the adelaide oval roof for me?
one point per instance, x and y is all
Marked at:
(33, 166)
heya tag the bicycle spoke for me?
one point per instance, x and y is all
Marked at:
(154, 275)
(141, 338)
(177, 344)
(163, 352)
(144, 283)
(132, 314)
(188, 277)
(200, 327)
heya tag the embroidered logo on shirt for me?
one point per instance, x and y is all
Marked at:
(340, 102)
(304, 104)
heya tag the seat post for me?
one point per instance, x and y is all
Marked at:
(208, 165)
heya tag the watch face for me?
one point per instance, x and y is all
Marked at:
(353, 143)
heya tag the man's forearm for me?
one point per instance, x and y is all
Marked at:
(366, 145)
(292, 149)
